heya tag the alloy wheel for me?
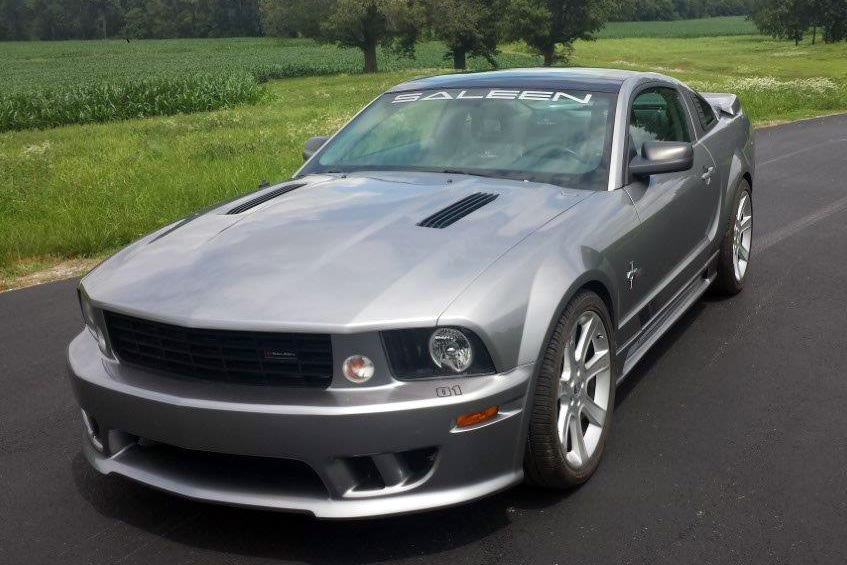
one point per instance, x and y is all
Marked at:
(584, 386)
(742, 236)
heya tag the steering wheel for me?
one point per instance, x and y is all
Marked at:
(550, 147)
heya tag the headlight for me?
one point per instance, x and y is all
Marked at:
(451, 348)
(89, 316)
(436, 352)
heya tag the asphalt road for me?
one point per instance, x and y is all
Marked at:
(729, 440)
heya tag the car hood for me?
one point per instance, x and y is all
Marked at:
(338, 254)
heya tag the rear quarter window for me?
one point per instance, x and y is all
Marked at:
(704, 111)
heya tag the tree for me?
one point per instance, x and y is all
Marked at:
(468, 27)
(364, 24)
(550, 27)
(831, 16)
(289, 18)
(15, 18)
(784, 19)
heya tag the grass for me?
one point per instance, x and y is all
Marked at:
(81, 190)
(704, 27)
(775, 80)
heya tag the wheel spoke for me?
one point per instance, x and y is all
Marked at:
(577, 440)
(598, 363)
(743, 253)
(581, 348)
(565, 392)
(570, 359)
(740, 213)
(593, 412)
(563, 422)
(745, 224)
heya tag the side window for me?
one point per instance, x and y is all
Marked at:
(705, 113)
(657, 115)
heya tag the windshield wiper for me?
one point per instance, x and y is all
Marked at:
(473, 173)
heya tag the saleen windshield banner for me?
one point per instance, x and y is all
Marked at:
(489, 94)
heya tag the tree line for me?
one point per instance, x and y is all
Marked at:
(145, 19)
(466, 27)
(141, 19)
(794, 19)
(658, 10)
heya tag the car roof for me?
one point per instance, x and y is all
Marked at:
(597, 80)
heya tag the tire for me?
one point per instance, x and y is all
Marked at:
(550, 461)
(731, 274)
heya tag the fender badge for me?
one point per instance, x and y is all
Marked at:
(632, 273)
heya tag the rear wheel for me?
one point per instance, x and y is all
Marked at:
(574, 397)
(736, 246)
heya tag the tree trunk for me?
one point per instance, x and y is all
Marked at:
(369, 49)
(459, 59)
(549, 56)
(104, 25)
(814, 34)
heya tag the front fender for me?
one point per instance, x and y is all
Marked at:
(515, 302)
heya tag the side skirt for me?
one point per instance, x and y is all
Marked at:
(664, 319)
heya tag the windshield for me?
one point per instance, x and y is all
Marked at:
(549, 136)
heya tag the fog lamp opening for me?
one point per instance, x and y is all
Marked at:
(474, 418)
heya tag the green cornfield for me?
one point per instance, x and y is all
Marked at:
(57, 106)
(48, 84)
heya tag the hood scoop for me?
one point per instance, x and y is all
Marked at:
(262, 198)
(458, 210)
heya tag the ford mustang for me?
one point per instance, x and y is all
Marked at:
(438, 305)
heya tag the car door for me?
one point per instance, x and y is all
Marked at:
(675, 209)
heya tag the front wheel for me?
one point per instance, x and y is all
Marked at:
(734, 259)
(574, 397)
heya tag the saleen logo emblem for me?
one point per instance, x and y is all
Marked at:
(280, 355)
(495, 94)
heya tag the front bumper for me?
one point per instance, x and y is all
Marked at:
(375, 451)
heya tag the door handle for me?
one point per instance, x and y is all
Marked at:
(707, 174)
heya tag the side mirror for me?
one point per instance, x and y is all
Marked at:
(312, 145)
(662, 157)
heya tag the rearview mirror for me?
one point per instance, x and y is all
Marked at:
(312, 145)
(662, 157)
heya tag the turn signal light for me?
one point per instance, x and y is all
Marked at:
(474, 418)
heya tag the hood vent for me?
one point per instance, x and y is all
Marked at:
(458, 210)
(262, 198)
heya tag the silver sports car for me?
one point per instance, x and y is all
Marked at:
(438, 305)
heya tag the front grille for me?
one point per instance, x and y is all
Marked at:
(284, 359)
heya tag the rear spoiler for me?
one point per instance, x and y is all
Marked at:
(729, 104)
